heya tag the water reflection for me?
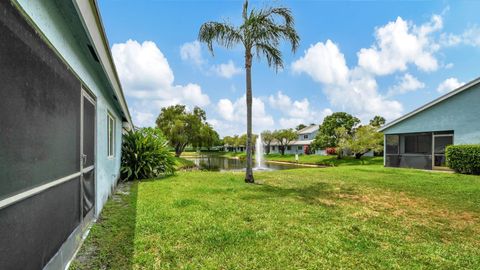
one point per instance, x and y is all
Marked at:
(218, 163)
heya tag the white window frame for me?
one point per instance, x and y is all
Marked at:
(111, 122)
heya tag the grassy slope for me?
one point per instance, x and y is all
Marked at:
(182, 163)
(350, 217)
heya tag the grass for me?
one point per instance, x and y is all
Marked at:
(326, 160)
(110, 243)
(313, 159)
(182, 163)
(341, 217)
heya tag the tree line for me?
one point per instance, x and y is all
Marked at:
(339, 133)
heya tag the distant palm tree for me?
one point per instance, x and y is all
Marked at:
(260, 34)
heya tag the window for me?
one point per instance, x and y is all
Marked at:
(289, 148)
(111, 134)
(418, 144)
(392, 144)
(299, 148)
(305, 136)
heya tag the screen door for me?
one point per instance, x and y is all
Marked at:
(88, 153)
(440, 143)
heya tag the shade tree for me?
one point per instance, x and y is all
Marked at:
(327, 135)
(283, 137)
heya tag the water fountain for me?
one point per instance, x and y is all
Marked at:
(259, 154)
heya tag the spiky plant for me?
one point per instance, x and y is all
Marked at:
(145, 154)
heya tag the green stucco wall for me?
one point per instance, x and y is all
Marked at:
(460, 113)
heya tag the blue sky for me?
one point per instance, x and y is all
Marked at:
(364, 57)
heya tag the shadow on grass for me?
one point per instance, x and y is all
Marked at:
(110, 244)
(316, 194)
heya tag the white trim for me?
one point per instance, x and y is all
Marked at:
(92, 22)
(384, 149)
(13, 199)
(432, 103)
(111, 141)
(433, 148)
(87, 169)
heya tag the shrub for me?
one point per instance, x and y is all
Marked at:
(145, 154)
(307, 150)
(464, 158)
(331, 151)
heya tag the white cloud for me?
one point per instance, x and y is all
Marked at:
(324, 63)
(400, 43)
(295, 112)
(226, 109)
(470, 37)
(353, 91)
(192, 51)
(280, 101)
(449, 85)
(227, 70)
(316, 118)
(149, 81)
(296, 109)
(234, 116)
(143, 119)
(407, 83)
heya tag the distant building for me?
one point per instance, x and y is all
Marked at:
(419, 138)
(301, 145)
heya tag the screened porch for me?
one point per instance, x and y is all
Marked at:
(424, 150)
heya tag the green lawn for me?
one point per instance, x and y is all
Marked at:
(353, 217)
(182, 163)
(326, 160)
(313, 159)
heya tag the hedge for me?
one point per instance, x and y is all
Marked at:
(464, 158)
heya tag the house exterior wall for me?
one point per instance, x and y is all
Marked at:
(307, 136)
(66, 39)
(294, 149)
(459, 113)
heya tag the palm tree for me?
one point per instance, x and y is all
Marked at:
(260, 34)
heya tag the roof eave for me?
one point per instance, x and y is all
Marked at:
(92, 21)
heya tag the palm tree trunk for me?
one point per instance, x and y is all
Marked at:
(248, 69)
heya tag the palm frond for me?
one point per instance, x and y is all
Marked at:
(245, 10)
(223, 33)
(267, 19)
(272, 53)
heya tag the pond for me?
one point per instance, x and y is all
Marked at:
(219, 163)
